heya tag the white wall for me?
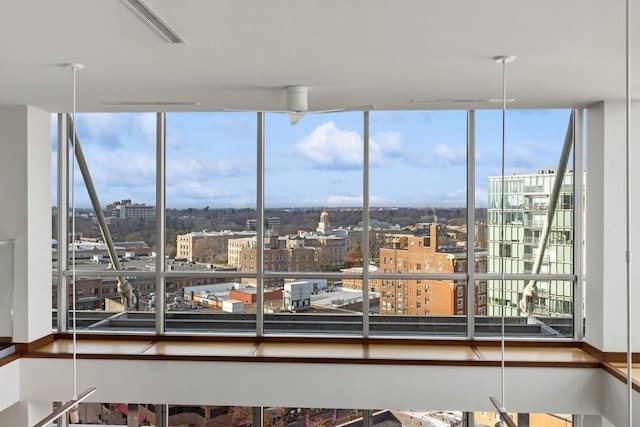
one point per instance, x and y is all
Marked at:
(315, 385)
(25, 414)
(25, 171)
(9, 384)
(606, 231)
(614, 404)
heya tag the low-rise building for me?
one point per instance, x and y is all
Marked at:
(125, 209)
(207, 246)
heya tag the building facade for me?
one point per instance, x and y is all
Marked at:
(235, 247)
(207, 246)
(289, 254)
(125, 209)
(513, 242)
(422, 254)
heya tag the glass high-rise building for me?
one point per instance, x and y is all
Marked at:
(514, 242)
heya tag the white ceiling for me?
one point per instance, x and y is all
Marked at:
(241, 53)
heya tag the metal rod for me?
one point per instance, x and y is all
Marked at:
(260, 225)
(63, 224)
(504, 416)
(502, 224)
(578, 221)
(628, 213)
(365, 226)
(74, 144)
(471, 241)
(64, 408)
(257, 415)
(161, 201)
(328, 275)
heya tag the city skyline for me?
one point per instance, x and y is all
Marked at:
(318, 162)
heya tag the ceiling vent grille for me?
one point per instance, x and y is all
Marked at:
(144, 12)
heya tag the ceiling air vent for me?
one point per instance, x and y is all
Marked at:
(150, 18)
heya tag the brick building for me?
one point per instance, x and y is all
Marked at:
(282, 255)
(422, 255)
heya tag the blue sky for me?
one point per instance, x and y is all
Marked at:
(417, 158)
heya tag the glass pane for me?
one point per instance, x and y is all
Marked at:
(211, 221)
(54, 212)
(206, 415)
(313, 173)
(313, 192)
(426, 418)
(120, 153)
(6, 289)
(217, 304)
(489, 419)
(211, 185)
(99, 305)
(526, 233)
(310, 417)
(103, 413)
(418, 221)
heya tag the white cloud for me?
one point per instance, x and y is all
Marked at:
(329, 147)
(449, 154)
(122, 168)
(116, 130)
(385, 145)
(148, 127)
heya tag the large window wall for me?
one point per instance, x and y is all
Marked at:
(356, 224)
(529, 239)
